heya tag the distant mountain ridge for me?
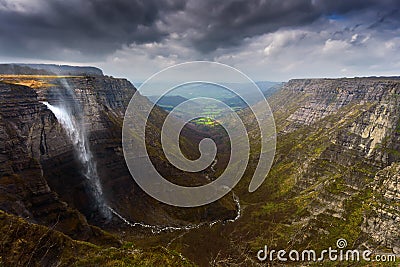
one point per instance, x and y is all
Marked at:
(49, 69)
(176, 97)
(170, 100)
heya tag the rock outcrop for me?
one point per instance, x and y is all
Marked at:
(48, 69)
(27, 131)
(37, 152)
(335, 174)
(27, 244)
(345, 142)
(383, 222)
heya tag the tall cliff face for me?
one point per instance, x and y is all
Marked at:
(335, 174)
(41, 151)
(27, 132)
(382, 223)
(100, 105)
(338, 148)
(103, 101)
(41, 178)
(373, 133)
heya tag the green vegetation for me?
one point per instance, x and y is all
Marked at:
(204, 121)
(33, 81)
(289, 209)
(26, 244)
(318, 190)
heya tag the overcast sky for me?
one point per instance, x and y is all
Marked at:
(272, 40)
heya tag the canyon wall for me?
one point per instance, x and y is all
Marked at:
(41, 174)
(342, 137)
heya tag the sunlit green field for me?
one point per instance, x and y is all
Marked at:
(204, 121)
(207, 116)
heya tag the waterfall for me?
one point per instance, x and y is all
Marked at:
(78, 136)
(67, 112)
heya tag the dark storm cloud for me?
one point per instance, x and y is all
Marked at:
(227, 23)
(58, 28)
(388, 20)
(91, 27)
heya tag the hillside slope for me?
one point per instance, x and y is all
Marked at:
(41, 177)
(25, 244)
(335, 175)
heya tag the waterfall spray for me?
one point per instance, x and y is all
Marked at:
(65, 112)
(78, 136)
